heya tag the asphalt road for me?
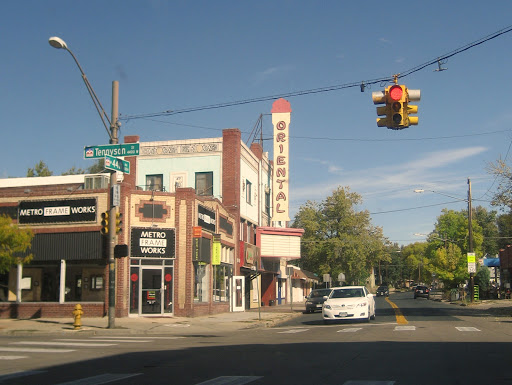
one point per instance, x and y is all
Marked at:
(417, 342)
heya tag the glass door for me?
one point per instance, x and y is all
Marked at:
(152, 291)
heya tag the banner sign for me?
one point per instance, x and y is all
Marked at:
(216, 250)
(149, 242)
(206, 218)
(57, 211)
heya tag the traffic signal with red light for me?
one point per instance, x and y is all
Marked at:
(104, 223)
(397, 108)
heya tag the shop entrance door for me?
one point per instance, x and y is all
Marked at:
(152, 291)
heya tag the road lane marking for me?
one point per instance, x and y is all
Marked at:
(369, 383)
(138, 338)
(103, 340)
(294, 331)
(467, 329)
(12, 357)
(400, 319)
(35, 350)
(90, 344)
(349, 330)
(101, 379)
(231, 380)
(404, 328)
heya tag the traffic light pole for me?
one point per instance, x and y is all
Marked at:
(470, 246)
(112, 212)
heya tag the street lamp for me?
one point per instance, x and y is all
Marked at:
(112, 131)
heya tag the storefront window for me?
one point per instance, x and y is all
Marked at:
(221, 274)
(201, 282)
(84, 283)
(44, 287)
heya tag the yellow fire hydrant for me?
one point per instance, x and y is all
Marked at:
(77, 314)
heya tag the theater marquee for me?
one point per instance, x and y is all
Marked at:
(281, 112)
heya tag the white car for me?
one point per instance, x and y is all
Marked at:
(349, 302)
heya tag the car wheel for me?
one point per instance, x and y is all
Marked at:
(373, 316)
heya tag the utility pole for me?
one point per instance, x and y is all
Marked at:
(112, 212)
(470, 245)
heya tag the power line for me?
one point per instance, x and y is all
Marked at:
(358, 84)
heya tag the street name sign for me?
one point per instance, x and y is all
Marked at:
(125, 149)
(117, 164)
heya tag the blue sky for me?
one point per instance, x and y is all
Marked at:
(177, 55)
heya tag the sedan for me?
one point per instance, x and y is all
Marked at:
(349, 302)
(421, 291)
(315, 299)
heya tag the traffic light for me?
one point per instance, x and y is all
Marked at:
(397, 107)
(412, 95)
(104, 223)
(380, 97)
(119, 222)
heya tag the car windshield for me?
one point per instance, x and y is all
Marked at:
(320, 293)
(383, 288)
(347, 293)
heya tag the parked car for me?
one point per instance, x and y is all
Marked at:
(383, 291)
(353, 302)
(421, 291)
(315, 299)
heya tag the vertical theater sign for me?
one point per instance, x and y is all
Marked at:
(281, 112)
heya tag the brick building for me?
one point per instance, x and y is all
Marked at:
(191, 210)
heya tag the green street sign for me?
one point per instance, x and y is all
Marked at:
(125, 149)
(117, 164)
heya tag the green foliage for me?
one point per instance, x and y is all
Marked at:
(40, 169)
(13, 240)
(96, 168)
(338, 238)
(483, 278)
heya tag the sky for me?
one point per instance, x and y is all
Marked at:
(185, 55)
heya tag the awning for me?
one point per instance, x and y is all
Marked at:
(492, 262)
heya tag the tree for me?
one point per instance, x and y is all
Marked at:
(483, 279)
(339, 239)
(13, 241)
(488, 221)
(96, 168)
(40, 169)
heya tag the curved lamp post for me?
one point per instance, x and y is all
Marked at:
(112, 131)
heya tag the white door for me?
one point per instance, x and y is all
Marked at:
(238, 298)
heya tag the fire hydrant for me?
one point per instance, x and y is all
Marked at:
(77, 314)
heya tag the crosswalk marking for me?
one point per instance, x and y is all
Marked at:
(231, 380)
(404, 328)
(349, 330)
(467, 329)
(35, 350)
(294, 331)
(101, 379)
(91, 344)
(103, 340)
(138, 338)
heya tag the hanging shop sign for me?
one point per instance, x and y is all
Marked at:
(57, 211)
(152, 242)
(216, 250)
(206, 218)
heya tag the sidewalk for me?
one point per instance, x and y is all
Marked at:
(266, 317)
